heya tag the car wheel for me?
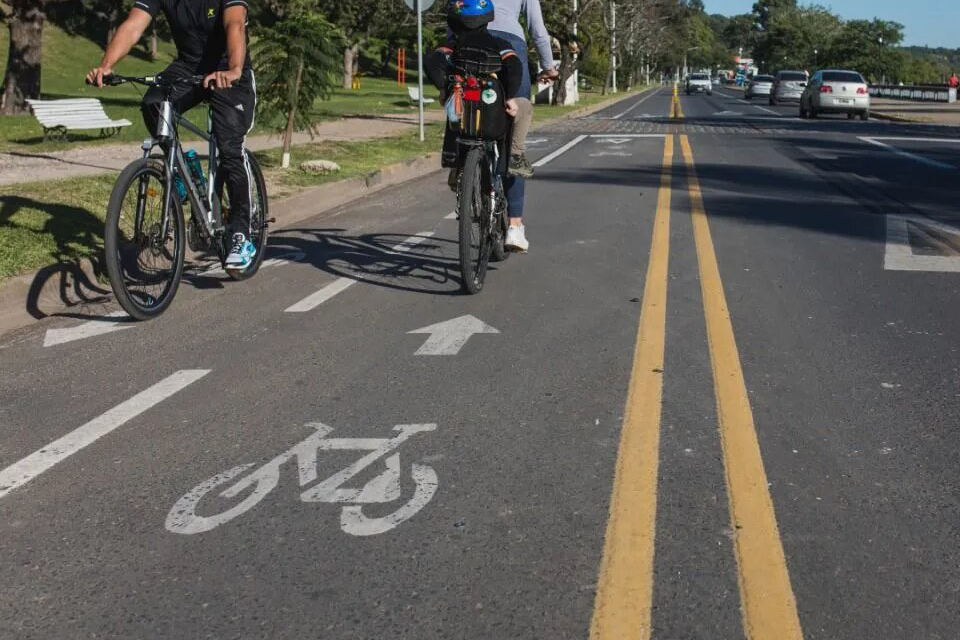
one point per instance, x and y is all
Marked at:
(865, 116)
(773, 102)
(851, 116)
(813, 113)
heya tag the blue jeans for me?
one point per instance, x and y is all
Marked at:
(515, 188)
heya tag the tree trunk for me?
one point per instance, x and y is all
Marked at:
(566, 70)
(291, 118)
(22, 77)
(153, 47)
(350, 55)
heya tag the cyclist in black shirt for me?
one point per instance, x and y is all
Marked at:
(211, 39)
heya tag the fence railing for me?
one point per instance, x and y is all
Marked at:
(915, 92)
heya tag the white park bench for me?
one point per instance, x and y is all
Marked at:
(59, 116)
(414, 93)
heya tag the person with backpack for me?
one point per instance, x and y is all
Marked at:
(471, 45)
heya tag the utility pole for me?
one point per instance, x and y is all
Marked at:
(613, 42)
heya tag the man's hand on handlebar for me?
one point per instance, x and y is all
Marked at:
(222, 79)
(96, 75)
(548, 75)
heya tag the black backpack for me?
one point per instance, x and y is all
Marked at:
(478, 94)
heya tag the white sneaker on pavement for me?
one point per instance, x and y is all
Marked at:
(517, 239)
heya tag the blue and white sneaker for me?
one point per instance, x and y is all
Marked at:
(242, 253)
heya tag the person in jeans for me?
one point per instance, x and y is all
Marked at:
(506, 26)
(211, 39)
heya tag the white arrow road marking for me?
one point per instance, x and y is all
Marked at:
(447, 338)
(616, 140)
(339, 285)
(536, 141)
(450, 216)
(899, 255)
(728, 113)
(88, 329)
(19, 473)
(629, 136)
(621, 154)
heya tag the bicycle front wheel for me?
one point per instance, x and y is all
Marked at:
(474, 223)
(143, 244)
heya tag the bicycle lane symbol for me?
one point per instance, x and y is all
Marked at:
(384, 488)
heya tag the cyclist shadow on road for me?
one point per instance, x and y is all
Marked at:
(394, 261)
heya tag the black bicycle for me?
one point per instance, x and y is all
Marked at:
(146, 235)
(481, 210)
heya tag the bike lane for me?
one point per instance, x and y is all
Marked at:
(527, 424)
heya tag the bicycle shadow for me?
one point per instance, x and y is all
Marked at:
(427, 265)
(72, 279)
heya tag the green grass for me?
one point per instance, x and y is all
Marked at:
(51, 222)
(67, 59)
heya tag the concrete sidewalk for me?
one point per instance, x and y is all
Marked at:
(925, 112)
(18, 166)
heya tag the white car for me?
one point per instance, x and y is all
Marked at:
(759, 86)
(699, 83)
(836, 91)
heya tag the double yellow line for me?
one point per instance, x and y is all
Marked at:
(626, 586)
(676, 111)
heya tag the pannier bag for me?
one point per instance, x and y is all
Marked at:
(476, 108)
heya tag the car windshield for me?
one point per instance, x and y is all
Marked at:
(699, 76)
(793, 76)
(842, 76)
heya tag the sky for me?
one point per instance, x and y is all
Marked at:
(935, 23)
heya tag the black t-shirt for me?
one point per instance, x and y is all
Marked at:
(198, 31)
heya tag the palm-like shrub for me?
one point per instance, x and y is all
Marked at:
(297, 62)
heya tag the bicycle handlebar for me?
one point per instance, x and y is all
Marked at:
(114, 80)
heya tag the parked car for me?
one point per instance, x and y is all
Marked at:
(699, 83)
(759, 86)
(836, 91)
(788, 87)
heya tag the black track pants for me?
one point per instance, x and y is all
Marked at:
(232, 111)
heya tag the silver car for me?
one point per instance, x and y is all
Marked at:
(835, 91)
(759, 86)
(788, 87)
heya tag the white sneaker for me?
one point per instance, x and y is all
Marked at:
(517, 239)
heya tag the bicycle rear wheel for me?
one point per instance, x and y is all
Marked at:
(143, 247)
(474, 223)
(259, 210)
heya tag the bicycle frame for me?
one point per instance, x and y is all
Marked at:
(205, 208)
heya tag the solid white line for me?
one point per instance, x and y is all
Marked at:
(653, 92)
(907, 154)
(756, 106)
(559, 152)
(628, 135)
(339, 285)
(36, 463)
(316, 299)
(907, 139)
(413, 241)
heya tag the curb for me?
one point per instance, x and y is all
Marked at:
(54, 289)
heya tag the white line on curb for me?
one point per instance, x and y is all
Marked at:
(559, 152)
(19, 473)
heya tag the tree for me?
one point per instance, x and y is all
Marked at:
(359, 20)
(21, 80)
(297, 62)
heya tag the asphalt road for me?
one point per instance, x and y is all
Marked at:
(718, 399)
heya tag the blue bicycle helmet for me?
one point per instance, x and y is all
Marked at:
(469, 14)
